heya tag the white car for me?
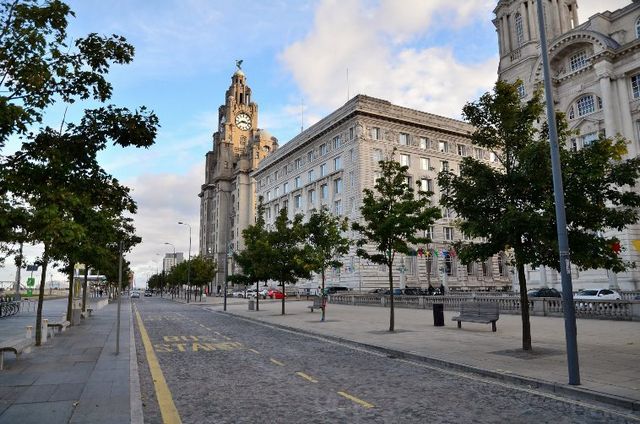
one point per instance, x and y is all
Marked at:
(597, 294)
(251, 293)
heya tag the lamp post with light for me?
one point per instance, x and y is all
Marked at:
(188, 263)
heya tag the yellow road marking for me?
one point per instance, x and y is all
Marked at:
(255, 351)
(356, 400)
(277, 362)
(306, 377)
(165, 400)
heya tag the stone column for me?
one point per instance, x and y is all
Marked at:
(505, 35)
(533, 20)
(626, 127)
(603, 72)
(525, 23)
(554, 14)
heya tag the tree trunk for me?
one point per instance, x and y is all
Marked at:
(524, 307)
(283, 296)
(43, 278)
(70, 297)
(391, 317)
(322, 295)
(84, 289)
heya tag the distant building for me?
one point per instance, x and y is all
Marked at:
(333, 161)
(595, 69)
(170, 260)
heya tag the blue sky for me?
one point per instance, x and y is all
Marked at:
(430, 55)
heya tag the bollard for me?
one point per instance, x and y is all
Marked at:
(29, 331)
(45, 330)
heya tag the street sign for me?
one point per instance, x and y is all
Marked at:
(31, 282)
(32, 268)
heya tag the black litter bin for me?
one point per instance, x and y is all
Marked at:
(438, 315)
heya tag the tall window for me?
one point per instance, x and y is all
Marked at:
(375, 133)
(297, 164)
(297, 201)
(310, 175)
(337, 207)
(443, 146)
(336, 142)
(376, 155)
(635, 85)
(638, 28)
(323, 149)
(423, 143)
(324, 191)
(352, 133)
(424, 164)
(310, 156)
(404, 139)
(297, 182)
(462, 150)
(519, 30)
(428, 233)
(521, 91)
(323, 170)
(404, 160)
(285, 188)
(444, 165)
(337, 186)
(276, 191)
(312, 197)
(586, 105)
(268, 196)
(448, 233)
(578, 61)
(426, 184)
(337, 163)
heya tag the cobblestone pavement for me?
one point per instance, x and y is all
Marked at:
(225, 369)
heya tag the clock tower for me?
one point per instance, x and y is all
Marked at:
(227, 197)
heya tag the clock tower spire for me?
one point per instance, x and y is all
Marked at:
(227, 203)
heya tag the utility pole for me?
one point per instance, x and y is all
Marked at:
(561, 220)
(119, 297)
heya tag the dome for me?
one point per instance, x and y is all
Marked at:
(239, 73)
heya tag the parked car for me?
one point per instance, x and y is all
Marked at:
(275, 294)
(597, 294)
(251, 293)
(378, 291)
(336, 289)
(544, 292)
(135, 295)
(148, 293)
(239, 293)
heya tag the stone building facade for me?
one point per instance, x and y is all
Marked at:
(331, 163)
(227, 197)
(595, 68)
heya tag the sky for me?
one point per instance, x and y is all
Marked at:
(297, 55)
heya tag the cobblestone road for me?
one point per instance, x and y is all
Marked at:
(223, 369)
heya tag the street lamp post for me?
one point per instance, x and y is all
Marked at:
(188, 263)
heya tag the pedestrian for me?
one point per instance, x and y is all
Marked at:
(442, 289)
(430, 290)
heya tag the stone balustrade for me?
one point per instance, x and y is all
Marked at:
(621, 310)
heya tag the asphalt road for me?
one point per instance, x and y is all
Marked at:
(223, 369)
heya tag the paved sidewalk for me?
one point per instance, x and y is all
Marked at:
(609, 351)
(75, 377)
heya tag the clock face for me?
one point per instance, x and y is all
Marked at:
(243, 121)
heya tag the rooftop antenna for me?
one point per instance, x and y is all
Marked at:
(348, 84)
(301, 114)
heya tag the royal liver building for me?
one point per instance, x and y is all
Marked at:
(596, 80)
(227, 197)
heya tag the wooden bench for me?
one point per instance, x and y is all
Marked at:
(60, 326)
(317, 303)
(483, 313)
(17, 346)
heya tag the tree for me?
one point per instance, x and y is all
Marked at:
(202, 271)
(254, 263)
(511, 207)
(285, 253)
(325, 244)
(393, 217)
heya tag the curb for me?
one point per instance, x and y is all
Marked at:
(574, 393)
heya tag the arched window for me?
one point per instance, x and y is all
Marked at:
(519, 30)
(638, 28)
(586, 105)
(635, 86)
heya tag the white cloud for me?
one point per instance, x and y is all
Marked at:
(427, 78)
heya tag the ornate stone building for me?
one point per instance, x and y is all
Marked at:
(596, 81)
(227, 197)
(331, 163)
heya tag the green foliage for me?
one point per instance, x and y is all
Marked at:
(253, 260)
(39, 67)
(511, 208)
(325, 241)
(202, 271)
(394, 218)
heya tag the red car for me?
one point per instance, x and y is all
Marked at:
(275, 294)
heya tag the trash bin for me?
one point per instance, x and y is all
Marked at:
(252, 305)
(438, 315)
